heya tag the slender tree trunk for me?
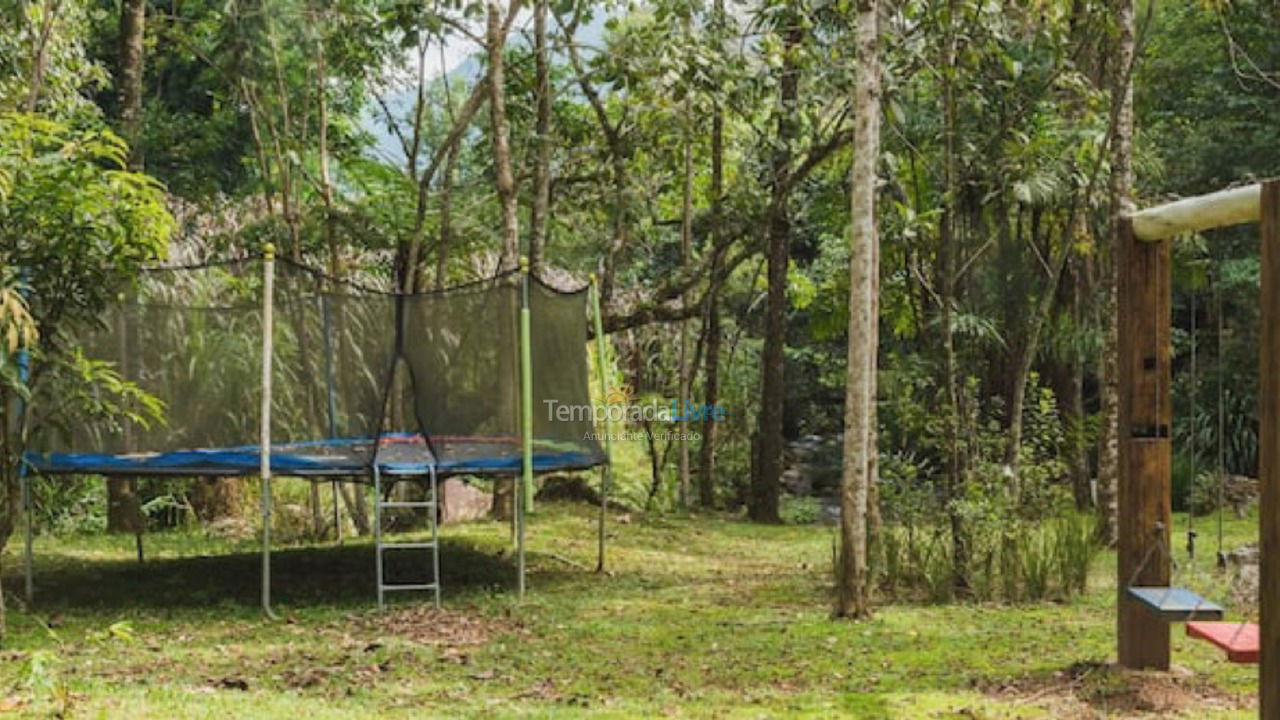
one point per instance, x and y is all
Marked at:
(49, 12)
(853, 593)
(506, 184)
(500, 132)
(133, 14)
(1121, 202)
(318, 522)
(539, 216)
(684, 372)
(712, 331)
(948, 250)
(1031, 343)
(766, 480)
(446, 218)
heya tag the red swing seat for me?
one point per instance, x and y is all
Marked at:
(1239, 640)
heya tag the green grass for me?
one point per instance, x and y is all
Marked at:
(700, 617)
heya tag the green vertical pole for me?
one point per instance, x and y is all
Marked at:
(524, 497)
(603, 375)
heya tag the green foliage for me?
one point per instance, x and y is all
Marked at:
(800, 510)
(1014, 561)
(75, 220)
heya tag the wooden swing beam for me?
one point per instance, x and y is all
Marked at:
(1144, 299)
(1235, 206)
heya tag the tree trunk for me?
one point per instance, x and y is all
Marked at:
(504, 176)
(711, 329)
(947, 251)
(763, 501)
(539, 215)
(133, 14)
(213, 498)
(1031, 343)
(446, 218)
(852, 593)
(122, 510)
(684, 374)
(1121, 202)
(122, 506)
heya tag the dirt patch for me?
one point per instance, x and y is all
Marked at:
(1088, 690)
(433, 626)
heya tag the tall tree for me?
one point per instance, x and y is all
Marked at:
(712, 333)
(123, 512)
(853, 592)
(1121, 188)
(684, 372)
(766, 480)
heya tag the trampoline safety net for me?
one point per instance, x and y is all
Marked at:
(359, 376)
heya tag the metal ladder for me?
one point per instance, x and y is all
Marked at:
(433, 545)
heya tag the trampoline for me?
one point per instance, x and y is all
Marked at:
(266, 367)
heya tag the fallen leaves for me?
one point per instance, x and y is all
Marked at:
(230, 683)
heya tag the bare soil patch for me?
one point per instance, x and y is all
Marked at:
(1089, 690)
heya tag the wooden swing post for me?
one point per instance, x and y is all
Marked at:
(1143, 302)
(1269, 453)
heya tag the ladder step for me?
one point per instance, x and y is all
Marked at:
(407, 546)
(423, 586)
(408, 504)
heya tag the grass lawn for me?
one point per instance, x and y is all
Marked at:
(700, 617)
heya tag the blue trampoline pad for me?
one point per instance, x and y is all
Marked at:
(397, 454)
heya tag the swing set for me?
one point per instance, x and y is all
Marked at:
(1149, 599)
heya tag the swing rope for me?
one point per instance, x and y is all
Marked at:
(1205, 632)
(1222, 412)
(1195, 455)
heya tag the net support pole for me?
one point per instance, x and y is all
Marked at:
(1269, 454)
(524, 495)
(526, 388)
(602, 374)
(264, 450)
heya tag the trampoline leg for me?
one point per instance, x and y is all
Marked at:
(377, 531)
(600, 521)
(266, 548)
(337, 519)
(435, 532)
(28, 531)
(137, 521)
(519, 517)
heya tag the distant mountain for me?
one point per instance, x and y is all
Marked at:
(463, 63)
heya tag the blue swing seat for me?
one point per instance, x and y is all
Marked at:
(1176, 604)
